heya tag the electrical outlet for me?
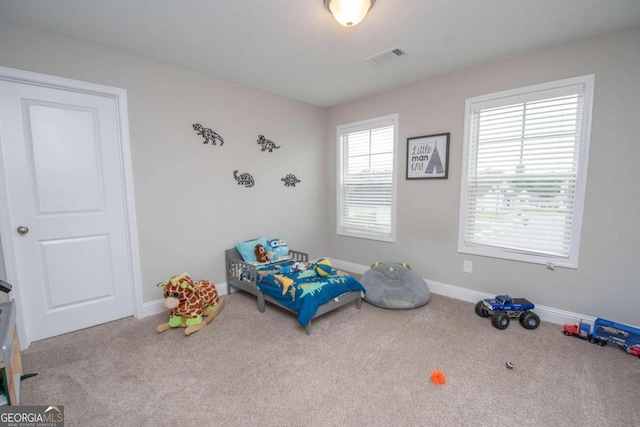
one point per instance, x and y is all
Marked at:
(468, 266)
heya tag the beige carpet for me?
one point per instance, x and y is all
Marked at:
(367, 367)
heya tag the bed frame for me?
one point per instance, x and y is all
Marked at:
(249, 283)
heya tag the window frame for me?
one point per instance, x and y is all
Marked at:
(501, 99)
(368, 124)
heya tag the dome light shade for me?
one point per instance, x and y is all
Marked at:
(349, 12)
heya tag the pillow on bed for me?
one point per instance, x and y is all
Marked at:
(247, 249)
(277, 250)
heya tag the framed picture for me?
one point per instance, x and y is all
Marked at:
(428, 157)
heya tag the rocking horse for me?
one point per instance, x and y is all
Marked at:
(193, 305)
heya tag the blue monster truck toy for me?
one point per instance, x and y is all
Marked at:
(502, 307)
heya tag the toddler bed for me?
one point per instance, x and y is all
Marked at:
(292, 284)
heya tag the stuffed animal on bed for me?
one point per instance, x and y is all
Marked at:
(261, 254)
(277, 250)
(189, 301)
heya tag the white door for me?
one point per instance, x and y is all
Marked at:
(65, 188)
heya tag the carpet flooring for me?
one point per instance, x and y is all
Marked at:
(368, 367)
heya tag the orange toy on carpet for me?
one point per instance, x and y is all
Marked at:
(438, 377)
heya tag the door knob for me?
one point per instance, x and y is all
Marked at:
(23, 230)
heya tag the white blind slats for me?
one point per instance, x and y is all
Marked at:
(365, 179)
(523, 166)
(545, 92)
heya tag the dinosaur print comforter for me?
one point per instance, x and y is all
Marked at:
(296, 286)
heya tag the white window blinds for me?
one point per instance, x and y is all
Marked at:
(366, 179)
(526, 157)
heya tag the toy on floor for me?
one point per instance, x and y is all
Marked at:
(438, 377)
(606, 331)
(502, 307)
(193, 305)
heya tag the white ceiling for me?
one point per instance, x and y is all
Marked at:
(296, 49)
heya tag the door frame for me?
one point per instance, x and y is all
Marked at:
(7, 234)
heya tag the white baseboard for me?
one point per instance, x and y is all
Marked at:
(548, 314)
(151, 308)
(157, 306)
(349, 266)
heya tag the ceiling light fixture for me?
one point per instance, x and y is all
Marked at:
(349, 12)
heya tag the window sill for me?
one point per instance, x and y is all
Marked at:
(550, 261)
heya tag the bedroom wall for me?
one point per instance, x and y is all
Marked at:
(189, 207)
(606, 282)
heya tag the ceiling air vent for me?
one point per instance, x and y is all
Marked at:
(388, 56)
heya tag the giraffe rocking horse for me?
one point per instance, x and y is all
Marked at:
(193, 305)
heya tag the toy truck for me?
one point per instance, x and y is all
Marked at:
(503, 307)
(605, 331)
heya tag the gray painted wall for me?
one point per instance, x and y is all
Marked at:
(189, 207)
(607, 281)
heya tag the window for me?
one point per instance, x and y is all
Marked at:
(524, 172)
(366, 179)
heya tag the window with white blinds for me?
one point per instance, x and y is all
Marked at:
(524, 172)
(366, 179)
